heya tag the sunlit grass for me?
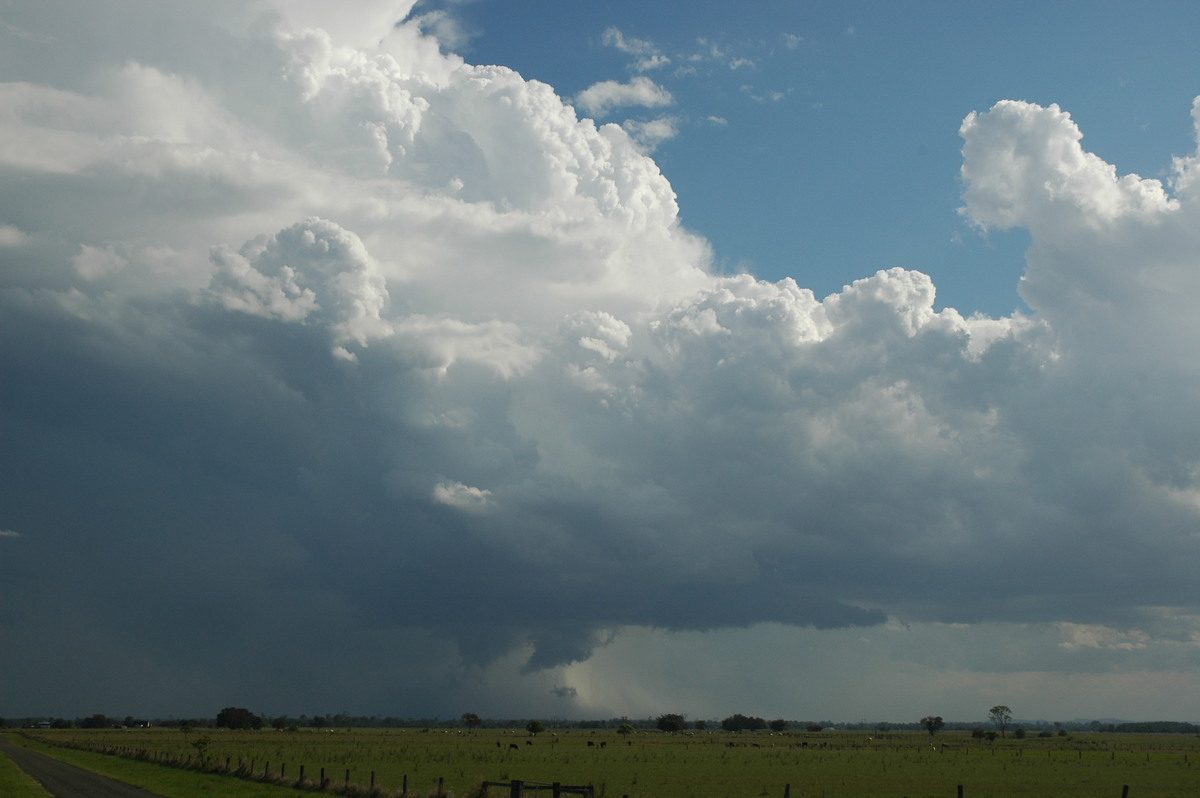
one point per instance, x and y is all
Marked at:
(700, 765)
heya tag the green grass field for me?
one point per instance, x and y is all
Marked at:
(702, 765)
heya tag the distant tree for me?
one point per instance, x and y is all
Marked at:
(279, 723)
(625, 729)
(1020, 733)
(701, 724)
(472, 720)
(238, 718)
(933, 724)
(96, 722)
(814, 727)
(319, 721)
(672, 722)
(1001, 716)
(739, 722)
(186, 727)
(778, 725)
(534, 727)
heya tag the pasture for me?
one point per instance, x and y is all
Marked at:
(698, 764)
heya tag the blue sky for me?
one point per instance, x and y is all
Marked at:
(842, 118)
(514, 358)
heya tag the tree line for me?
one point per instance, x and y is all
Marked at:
(999, 716)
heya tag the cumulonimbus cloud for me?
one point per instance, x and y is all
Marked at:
(405, 345)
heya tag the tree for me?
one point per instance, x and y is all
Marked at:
(778, 725)
(238, 718)
(534, 727)
(672, 722)
(96, 722)
(933, 724)
(625, 729)
(472, 720)
(740, 722)
(201, 746)
(1001, 716)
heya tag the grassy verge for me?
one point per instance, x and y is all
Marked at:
(15, 784)
(166, 781)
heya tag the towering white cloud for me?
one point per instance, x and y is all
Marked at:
(368, 343)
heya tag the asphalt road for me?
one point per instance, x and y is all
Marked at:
(68, 781)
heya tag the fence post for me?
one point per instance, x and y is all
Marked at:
(516, 789)
(404, 789)
(1125, 791)
(347, 777)
(301, 773)
(556, 789)
(960, 795)
(787, 791)
(372, 780)
(322, 782)
(441, 784)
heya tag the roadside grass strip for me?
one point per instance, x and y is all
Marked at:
(15, 783)
(166, 781)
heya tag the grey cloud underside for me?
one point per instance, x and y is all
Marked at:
(184, 427)
(241, 442)
(401, 352)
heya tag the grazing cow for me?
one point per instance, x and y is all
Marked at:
(512, 747)
(591, 744)
(529, 742)
(602, 744)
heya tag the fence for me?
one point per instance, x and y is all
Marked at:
(518, 788)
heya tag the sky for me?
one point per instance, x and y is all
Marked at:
(824, 361)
